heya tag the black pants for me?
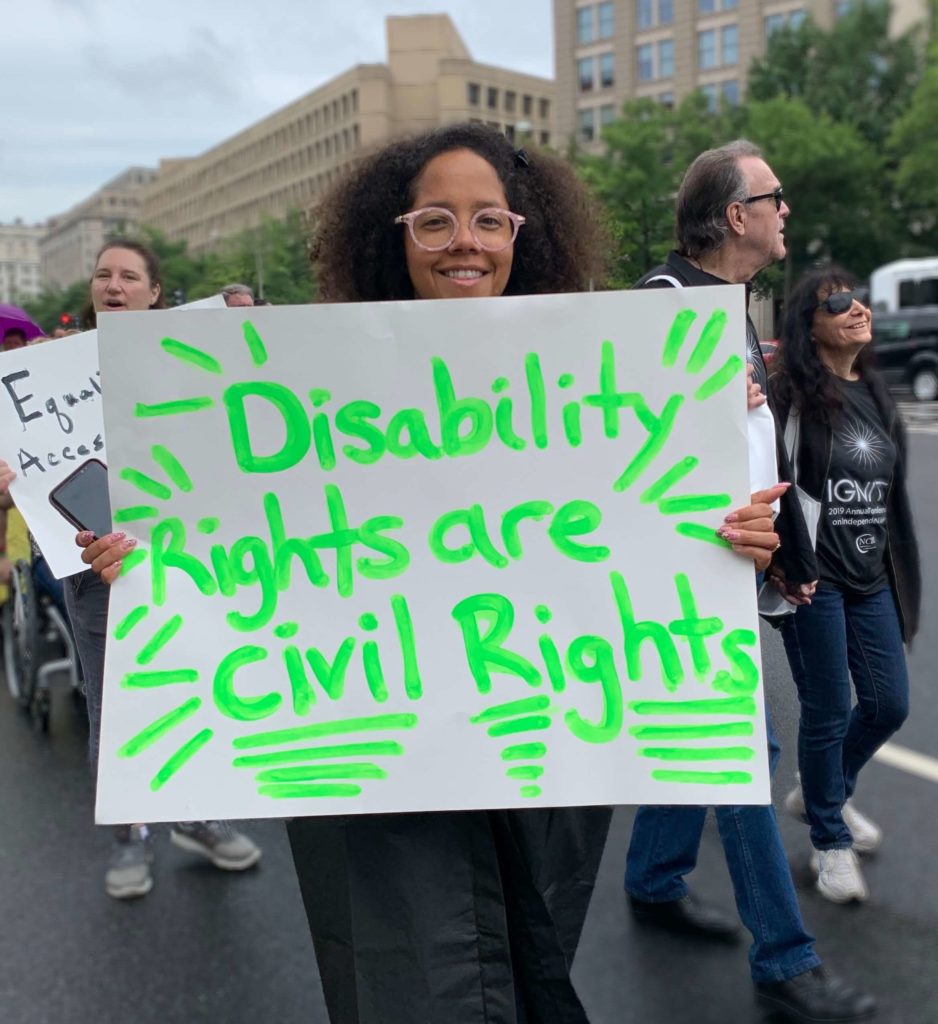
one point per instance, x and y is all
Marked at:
(449, 917)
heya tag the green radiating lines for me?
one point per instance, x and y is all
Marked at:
(690, 732)
(255, 343)
(704, 778)
(172, 467)
(515, 707)
(309, 732)
(524, 752)
(693, 503)
(189, 354)
(698, 753)
(389, 748)
(130, 620)
(155, 730)
(132, 560)
(712, 706)
(146, 484)
(143, 411)
(301, 791)
(705, 533)
(665, 482)
(182, 755)
(709, 339)
(133, 513)
(315, 773)
(677, 335)
(147, 680)
(159, 640)
(530, 723)
(720, 379)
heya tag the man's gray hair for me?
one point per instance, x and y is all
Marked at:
(237, 289)
(710, 184)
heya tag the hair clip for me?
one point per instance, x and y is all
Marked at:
(521, 158)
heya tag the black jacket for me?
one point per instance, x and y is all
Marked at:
(790, 525)
(813, 461)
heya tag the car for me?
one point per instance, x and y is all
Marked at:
(906, 348)
(769, 350)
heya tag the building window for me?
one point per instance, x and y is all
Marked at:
(585, 68)
(646, 15)
(654, 12)
(706, 6)
(510, 101)
(607, 114)
(472, 94)
(587, 124)
(492, 97)
(665, 12)
(666, 99)
(606, 22)
(710, 92)
(729, 44)
(706, 49)
(510, 132)
(730, 93)
(842, 7)
(607, 70)
(666, 58)
(796, 18)
(527, 105)
(584, 25)
(646, 62)
(543, 109)
(730, 5)
(545, 138)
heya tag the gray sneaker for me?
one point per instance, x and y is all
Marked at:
(128, 873)
(224, 846)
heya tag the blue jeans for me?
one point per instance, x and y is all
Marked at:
(664, 846)
(835, 638)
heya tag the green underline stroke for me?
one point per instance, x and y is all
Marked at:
(698, 753)
(309, 732)
(690, 732)
(389, 748)
(142, 411)
(524, 751)
(706, 778)
(299, 791)
(515, 707)
(714, 706)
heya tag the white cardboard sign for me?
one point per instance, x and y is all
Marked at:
(427, 555)
(51, 421)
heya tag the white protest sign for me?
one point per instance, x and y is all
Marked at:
(427, 555)
(51, 422)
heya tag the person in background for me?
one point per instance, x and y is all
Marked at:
(13, 337)
(127, 277)
(849, 459)
(238, 295)
(730, 224)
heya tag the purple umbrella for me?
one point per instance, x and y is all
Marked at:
(13, 316)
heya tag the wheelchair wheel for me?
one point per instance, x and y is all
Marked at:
(21, 635)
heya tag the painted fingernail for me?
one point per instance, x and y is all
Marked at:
(730, 534)
(85, 537)
(731, 518)
(129, 543)
(119, 535)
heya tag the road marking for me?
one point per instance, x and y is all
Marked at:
(908, 761)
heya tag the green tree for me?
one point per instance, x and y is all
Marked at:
(51, 303)
(856, 73)
(913, 145)
(636, 177)
(833, 180)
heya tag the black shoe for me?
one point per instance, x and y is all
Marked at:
(687, 916)
(816, 996)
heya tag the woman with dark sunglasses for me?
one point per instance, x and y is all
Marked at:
(848, 455)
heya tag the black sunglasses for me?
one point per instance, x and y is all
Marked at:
(839, 302)
(776, 195)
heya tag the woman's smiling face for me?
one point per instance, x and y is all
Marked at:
(462, 182)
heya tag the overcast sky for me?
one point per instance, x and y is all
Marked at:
(90, 87)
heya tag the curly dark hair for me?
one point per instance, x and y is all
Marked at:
(359, 251)
(799, 377)
(89, 317)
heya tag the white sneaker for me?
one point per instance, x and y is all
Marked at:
(867, 835)
(839, 878)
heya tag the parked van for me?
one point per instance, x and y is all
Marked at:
(906, 347)
(905, 284)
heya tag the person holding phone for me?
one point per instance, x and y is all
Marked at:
(126, 277)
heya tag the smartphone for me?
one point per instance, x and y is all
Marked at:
(82, 498)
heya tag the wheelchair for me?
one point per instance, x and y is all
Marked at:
(37, 647)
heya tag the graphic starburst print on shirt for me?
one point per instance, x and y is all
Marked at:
(863, 444)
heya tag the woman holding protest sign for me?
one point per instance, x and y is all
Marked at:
(848, 455)
(446, 916)
(127, 277)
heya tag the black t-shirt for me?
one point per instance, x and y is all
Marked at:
(852, 538)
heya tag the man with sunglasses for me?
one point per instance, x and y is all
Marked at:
(730, 224)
